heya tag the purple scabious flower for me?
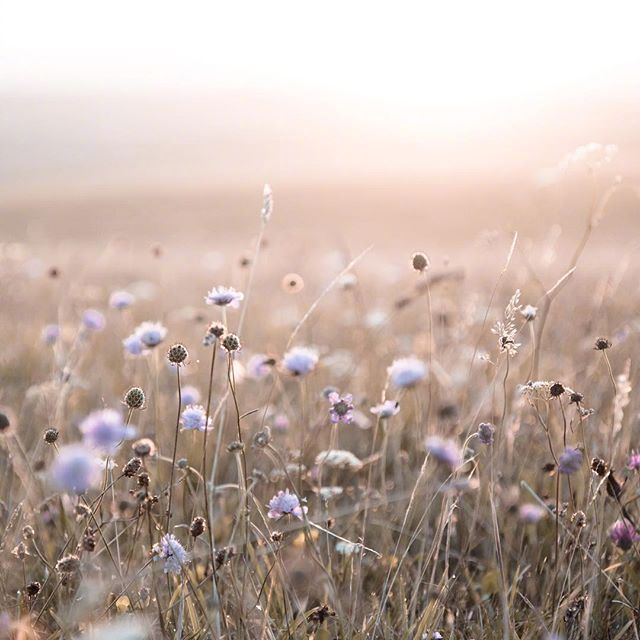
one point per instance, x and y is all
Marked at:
(257, 367)
(105, 430)
(387, 409)
(570, 461)
(170, 550)
(133, 345)
(623, 534)
(444, 450)
(75, 469)
(194, 418)
(485, 433)
(634, 461)
(151, 334)
(190, 395)
(341, 409)
(531, 513)
(51, 334)
(121, 300)
(407, 372)
(93, 320)
(284, 503)
(224, 297)
(300, 360)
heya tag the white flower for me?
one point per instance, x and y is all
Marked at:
(172, 552)
(224, 297)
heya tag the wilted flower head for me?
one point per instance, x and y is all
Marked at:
(444, 450)
(172, 552)
(341, 409)
(300, 360)
(224, 297)
(93, 320)
(190, 395)
(104, 430)
(570, 461)
(121, 300)
(151, 334)
(133, 345)
(485, 433)
(531, 513)
(284, 503)
(50, 334)
(623, 534)
(194, 417)
(387, 409)
(407, 372)
(75, 470)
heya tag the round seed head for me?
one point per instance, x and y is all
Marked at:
(603, 343)
(231, 342)
(217, 329)
(6, 420)
(32, 589)
(420, 261)
(144, 447)
(198, 526)
(556, 390)
(178, 354)
(134, 398)
(51, 435)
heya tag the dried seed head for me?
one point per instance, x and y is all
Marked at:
(69, 564)
(182, 463)
(576, 397)
(420, 261)
(51, 435)
(198, 526)
(262, 438)
(231, 342)
(599, 466)
(235, 447)
(33, 589)
(579, 519)
(6, 420)
(27, 532)
(132, 467)
(556, 390)
(20, 551)
(144, 447)
(217, 329)
(277, 536)
(134, 398)
(89, 540)
(143, 479)
(177, 354)
(603, 343)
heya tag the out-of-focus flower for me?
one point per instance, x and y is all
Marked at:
(339, 459)
(341, 409)
(170, 550)
(51, 334)
(93, 320)
(300, 360)
(105, 430)
(75, 469)
(531, 513)
(190, 395)
(407, 372)
(444, 450)
(529, 312)
(151, 334)
(485, 433)
(570, 461)
(128, 629)
(194, 417)
(280, 423)
(133, 345)
(345, 548)
(634, 461)
(224, 297)
(258, 366)
(121, 300)
(387, 409)
(284, 503)
(623, 534)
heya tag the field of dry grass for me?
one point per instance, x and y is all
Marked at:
(480, 480)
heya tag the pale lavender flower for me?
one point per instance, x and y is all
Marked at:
(170, 550)
(407, 372)
(531, 513)
(75, 469)
(341, 409)
(284, 503)
(194, 418)
(190, 395)
(570, 461)
(280, 423)
(51, 334)
(93, 320)
(623, 534)
(257, 367)
(224, 297)
(151, 334)
(104, 430)
(121, 300)
(634, 461)
(300, 360)
(133, 345)
(485, 433)
(444, 450)
(387, 409)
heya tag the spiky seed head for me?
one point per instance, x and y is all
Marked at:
(198, 526)
(33, 589)
(603, 343)
(231, 342)
(178, 354)
(420, 261)
(132, 467)
(134, 398)
(51, 435)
